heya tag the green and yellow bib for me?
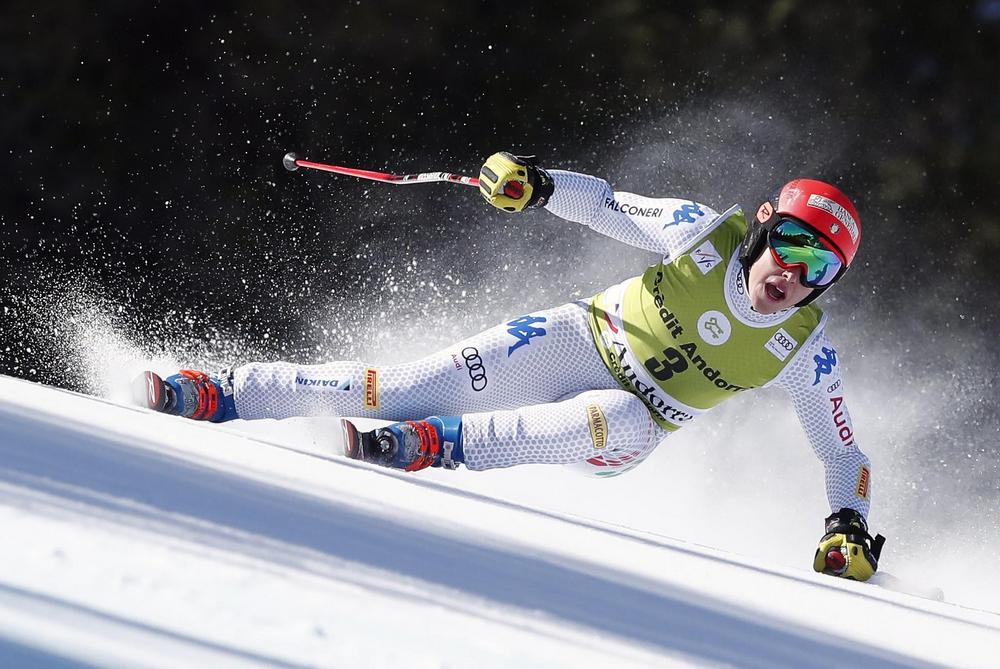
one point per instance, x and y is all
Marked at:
(683, 337)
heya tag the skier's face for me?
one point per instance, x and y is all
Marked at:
(774, 288)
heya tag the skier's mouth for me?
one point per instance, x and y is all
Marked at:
(774, 293)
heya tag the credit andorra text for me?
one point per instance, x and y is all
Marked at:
(673, 362)
(627, 376)
(667, 316)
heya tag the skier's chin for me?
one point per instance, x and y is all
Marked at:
(765, 307)
(765, 304)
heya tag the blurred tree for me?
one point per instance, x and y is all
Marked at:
(139, 134)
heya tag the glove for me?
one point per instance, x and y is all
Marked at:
(514, 183)
(847, 550)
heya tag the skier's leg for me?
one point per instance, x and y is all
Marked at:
(613, 463)
(189, 393)
(608, 431)
(605, 432)
(533, 359)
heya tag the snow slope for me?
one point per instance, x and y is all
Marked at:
(134, 539)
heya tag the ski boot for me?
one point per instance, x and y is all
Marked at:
(190, 393)
(410, 445)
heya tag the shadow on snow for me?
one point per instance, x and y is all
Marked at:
(112, 477)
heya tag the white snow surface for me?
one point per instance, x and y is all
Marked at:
(132, 539)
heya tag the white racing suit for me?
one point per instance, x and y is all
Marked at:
(565, 385)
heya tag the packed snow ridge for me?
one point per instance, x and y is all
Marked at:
(132, 539)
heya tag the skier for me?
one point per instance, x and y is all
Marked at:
(598, 383)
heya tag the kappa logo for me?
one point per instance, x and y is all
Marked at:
(523, 329)
(714, 328)
(371, 389)
(685, 214)
(825, 365)
(705, 257)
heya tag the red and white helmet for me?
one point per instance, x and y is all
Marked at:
(825, 209)
(816, 204)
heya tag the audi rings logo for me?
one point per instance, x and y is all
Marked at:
(474, 365)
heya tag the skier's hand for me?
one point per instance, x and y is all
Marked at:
(847, 550)
(514, 183)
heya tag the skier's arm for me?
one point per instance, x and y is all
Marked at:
(814, 382)
(664, 225)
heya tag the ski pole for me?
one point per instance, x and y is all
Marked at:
(293, 162)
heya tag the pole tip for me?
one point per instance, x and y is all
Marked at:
(289, 161)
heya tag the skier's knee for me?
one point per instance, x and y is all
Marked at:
(611, 464)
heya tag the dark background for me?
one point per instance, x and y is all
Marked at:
(143, 206)
(143, 142)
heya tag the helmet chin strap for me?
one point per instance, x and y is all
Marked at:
(756, 237)
(811, 297)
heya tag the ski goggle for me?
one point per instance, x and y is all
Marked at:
(794, 245)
